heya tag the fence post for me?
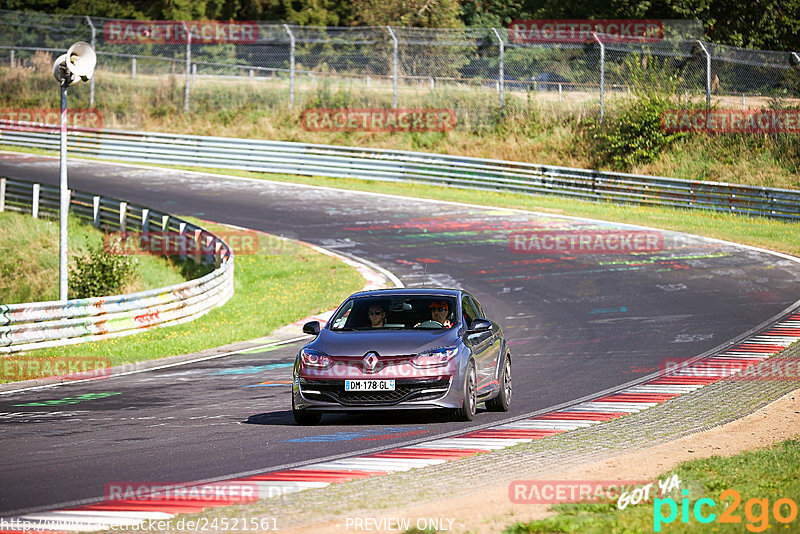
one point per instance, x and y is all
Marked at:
(133, 68)
(708, 73)
(188, 66)
(2, 194)
(394, 67)
(11, 60)
(501, 74)
(291, 64)
(602, 76)
(35, 203)
(94, 45)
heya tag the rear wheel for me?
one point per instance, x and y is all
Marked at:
(503, 399)
(470, 402)
(304, 417)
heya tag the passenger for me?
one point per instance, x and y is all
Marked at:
(377, 316)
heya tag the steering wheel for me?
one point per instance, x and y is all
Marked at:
(430, 324)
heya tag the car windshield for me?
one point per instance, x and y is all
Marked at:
(396, 312)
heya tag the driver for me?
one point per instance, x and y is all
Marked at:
(439, 312)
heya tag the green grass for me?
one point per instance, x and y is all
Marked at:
(275, 287)
(29, 259)
(771, 473)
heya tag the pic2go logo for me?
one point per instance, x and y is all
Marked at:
(756, 511)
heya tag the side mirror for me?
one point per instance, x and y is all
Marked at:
(311, 327)
(480, 325)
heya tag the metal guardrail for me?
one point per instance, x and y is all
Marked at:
(47, 324)
(400, 166)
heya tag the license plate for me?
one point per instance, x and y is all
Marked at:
(369, 385)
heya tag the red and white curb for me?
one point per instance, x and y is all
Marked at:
(736, 359)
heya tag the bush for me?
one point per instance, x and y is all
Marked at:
(100, 273)
(636, 136)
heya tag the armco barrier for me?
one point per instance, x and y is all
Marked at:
(395, 165)
(48, 324)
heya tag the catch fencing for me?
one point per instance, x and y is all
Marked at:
(47, 324)
(475, 71)
(404, 166)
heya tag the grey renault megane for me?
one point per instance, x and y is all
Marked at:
(403, 349)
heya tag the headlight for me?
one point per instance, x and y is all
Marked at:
(315, 359)
(435, 357)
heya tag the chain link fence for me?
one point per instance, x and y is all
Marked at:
(477, 72)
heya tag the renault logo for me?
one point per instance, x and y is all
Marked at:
(371, 362)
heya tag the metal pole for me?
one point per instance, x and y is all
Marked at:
(11, 60)
(94, 46)
(394, 68)
(188, 66)
(64, 208)
(291, 64)
(602, 76)
(708, 73)
(501, 74)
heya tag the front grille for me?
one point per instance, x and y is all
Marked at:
(405, 390)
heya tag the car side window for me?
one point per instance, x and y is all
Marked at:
(469, 311)
(481, 313)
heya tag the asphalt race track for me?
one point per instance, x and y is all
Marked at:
(577, 323)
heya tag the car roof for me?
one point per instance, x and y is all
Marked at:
(439, 292)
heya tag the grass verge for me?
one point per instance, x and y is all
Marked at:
(272, 288)
(761, 478)
(29, 259)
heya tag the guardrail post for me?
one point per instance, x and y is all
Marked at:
(708, 73)
(188, 67)
(2, 195)
(197, 245)
(182, 239)
(291, 64)
(96, 211)
(145, 221)
(94, 46)
(501, 68)
(602, 76)
(123, 216)
(35, 204)
(394, 67)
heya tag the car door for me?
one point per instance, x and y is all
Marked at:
(481, 344)
(496, 345)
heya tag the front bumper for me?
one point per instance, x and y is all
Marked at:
(416, 394)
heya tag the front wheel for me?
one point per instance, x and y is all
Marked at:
(503, 399)
(470, 401)
(304, 417)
